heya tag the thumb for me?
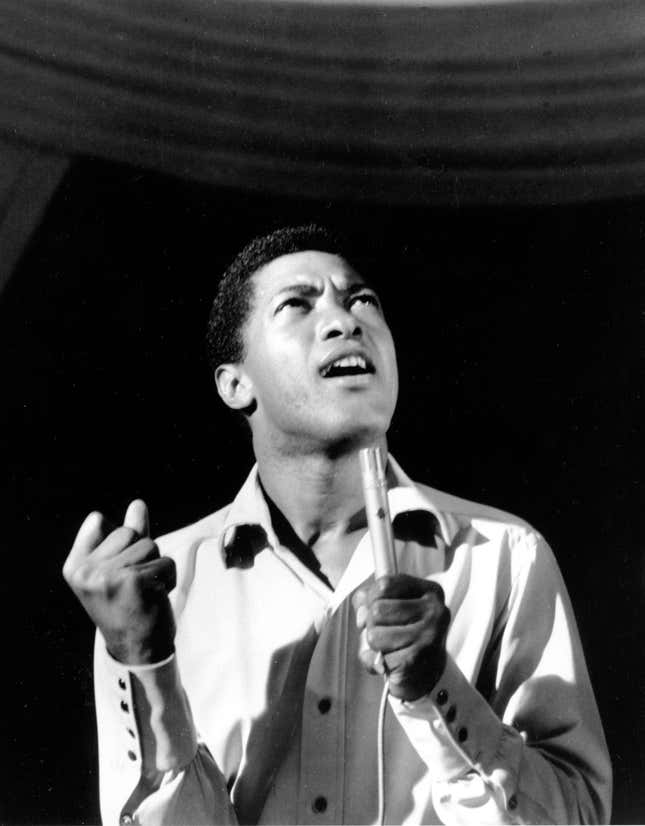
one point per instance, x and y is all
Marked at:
(371, 660)
(136, 517)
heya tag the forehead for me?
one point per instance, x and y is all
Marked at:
(309, 268)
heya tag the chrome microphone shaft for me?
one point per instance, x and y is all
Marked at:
(377, 509)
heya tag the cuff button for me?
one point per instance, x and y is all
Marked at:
(126, 819)
(324, 705)
(512, 802)
(442, 697)
(462, 734)
(451, 714)
(319, 805)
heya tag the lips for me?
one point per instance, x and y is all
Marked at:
(347, 364)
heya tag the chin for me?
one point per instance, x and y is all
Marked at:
(355, 432)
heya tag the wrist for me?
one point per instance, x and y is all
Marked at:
(423, 681)
(140, 652)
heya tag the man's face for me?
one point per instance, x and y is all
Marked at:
(319, 354)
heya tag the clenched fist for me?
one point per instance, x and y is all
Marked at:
(123, 584)
(405, 620)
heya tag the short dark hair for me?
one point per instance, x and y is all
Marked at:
(233, 299)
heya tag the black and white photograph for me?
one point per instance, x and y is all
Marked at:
(320, 346)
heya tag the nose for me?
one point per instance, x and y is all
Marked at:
(338, 322)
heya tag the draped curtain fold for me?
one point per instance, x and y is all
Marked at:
(423, 103)
(28, 179)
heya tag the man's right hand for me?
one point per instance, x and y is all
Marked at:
(123, 584)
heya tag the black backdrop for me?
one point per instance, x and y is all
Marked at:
(518, 345)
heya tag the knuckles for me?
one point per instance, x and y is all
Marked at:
(107, 580)
(383, 585)
(147, 548)
(404, 586)
(436, 590)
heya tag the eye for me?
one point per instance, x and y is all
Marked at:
(293, 302)
(366, 297)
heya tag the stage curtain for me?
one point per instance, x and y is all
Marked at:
(28, 179)
(426, 103)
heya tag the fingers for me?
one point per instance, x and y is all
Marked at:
(92, 532)
(95, 530)
(404, 621)
(359, 601)
(115, 543)
(399, 611)
(95, 536)
(396, 600)
(403, 586)
(136, 517)
(371, 660)
(145, 550)
(388, 639)
(158, 574)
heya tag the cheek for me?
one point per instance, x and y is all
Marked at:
(395, 381)
(393, 368)
(283, 389)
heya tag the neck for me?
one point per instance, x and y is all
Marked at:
(319, 493)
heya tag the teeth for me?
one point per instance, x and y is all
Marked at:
(350, 361)
(346, 362)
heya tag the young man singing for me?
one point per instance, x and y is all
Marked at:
(240, 661)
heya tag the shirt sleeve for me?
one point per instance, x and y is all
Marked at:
(152, 768)
(532, 749)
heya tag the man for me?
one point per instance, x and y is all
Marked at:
(232, 684)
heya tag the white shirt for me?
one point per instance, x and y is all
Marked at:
(265, 714)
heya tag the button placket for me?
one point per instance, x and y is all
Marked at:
(323, 723)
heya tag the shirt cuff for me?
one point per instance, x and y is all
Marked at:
(159, 721)
(453, 728)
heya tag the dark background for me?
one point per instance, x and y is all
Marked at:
(519, 350)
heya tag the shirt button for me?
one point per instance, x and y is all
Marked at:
(462, 734)
(324, 705)
(131, 733)
(126, 819)
(122, 684)
(512, 802)
(124, 706)
(451, 714)
(319, 805)
(442, 697)
(132, 755)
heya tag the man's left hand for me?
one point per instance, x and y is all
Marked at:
(405, 619)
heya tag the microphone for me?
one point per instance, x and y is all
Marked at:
(377, 509)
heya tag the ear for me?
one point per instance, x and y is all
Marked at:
(234, 386)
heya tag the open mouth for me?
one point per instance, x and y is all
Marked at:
(347, 366)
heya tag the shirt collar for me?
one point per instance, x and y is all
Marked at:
(249, 508)
(405, 495)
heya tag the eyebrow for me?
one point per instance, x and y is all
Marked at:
(306, 289)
